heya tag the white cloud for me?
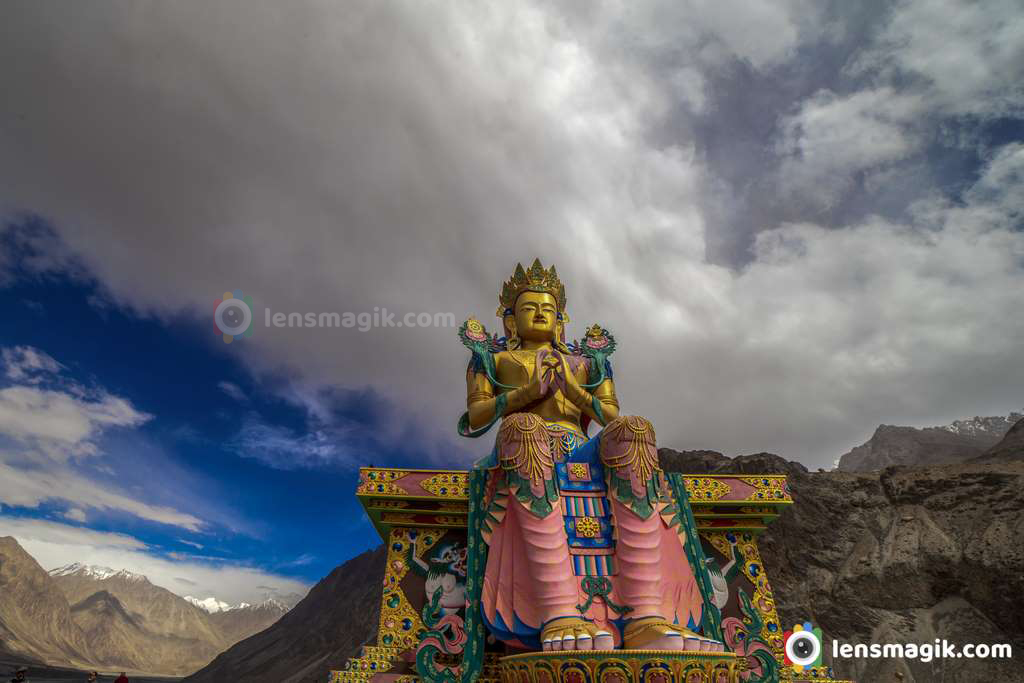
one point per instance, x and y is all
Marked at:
(1000, 184)
(970, 55)
(26, 250)
(46, 429)
(300, 561)
(63, 418)
(764, 33)
(831, 138)
(75, 515)
(53, 545)
(62, 423)
(26, 529)
(689, 86)
(282, 448)
(709, 33)
(27, 364)
(932, 63)
(907, 316)
(233, 390)
(408, 156)
(34, 484)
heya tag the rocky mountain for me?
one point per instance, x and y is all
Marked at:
(162, 633)
(84, 616)
(242, 621)
(904, 555)
(35, 617)
(959, 441)
(713, 462)
(984, 425)
(90, 571)
(214, 605)
(114, 635)
(1010, 448)
(327, 626)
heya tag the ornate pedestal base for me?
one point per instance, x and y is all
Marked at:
(422, 516)
(622, 666)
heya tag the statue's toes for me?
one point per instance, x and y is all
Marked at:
(584, 641)
(603, 640)
(546, 645)
(709, 645)
(568, 642)
(669, 640)
(556, 641)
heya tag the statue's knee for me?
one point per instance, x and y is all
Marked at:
(631, 419)
(629, 442)
(629, 428)
(523, 445)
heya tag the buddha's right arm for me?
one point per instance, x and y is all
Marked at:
(481, 401)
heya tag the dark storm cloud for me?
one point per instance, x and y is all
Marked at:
(745, 194)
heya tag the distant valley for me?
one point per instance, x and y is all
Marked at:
(84, 616)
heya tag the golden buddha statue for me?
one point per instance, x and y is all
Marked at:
(587, 541)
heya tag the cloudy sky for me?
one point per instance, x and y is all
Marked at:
(800, 220)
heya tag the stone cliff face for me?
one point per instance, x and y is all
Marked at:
(907, 556)
(903, 555)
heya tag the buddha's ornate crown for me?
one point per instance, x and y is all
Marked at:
(536, 279)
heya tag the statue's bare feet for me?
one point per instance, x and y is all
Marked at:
(573, 633)
(655, 633)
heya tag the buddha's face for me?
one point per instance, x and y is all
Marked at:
(536, 316)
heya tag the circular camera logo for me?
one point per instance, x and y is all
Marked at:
(803, 647)
(232, 316)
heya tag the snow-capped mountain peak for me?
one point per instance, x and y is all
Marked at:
(94, 572)
(210, 604)
(82, 569)
(273, 603)
(997, 424)
(130, 576)
(91, 571)
(213, 605)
